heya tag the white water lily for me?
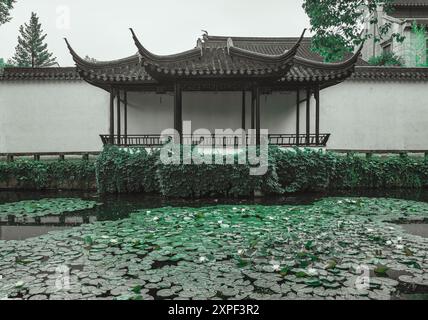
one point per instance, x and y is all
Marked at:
(241, 252)
(389, 242)
(220, 222)
(203, 259)
(276, 267)
(312, 272)
(155, 218)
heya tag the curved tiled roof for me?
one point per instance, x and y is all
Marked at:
(219, 57)
(223, 61)
(365, 73)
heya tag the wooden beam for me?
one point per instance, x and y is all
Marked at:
(298, 117)
(111, 133)
(317, 115)
(178, 109)
(125, 111)
(308, 116)
(119, 118)
(244, 110)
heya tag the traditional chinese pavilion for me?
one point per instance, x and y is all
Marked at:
(218, 63)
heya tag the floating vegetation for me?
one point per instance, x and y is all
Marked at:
(45, 207)
(227, 252)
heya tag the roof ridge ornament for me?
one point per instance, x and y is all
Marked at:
(229, 45)
(205, 35)
(200, 45)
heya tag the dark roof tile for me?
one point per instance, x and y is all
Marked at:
(390, 74)
(16, 73)
(410, 3)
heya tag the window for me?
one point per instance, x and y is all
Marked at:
(387, 48)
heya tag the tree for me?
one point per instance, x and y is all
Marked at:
(386, 59)
(31, 50)
(4, 64)
(416, 46)
(5, 7)
(338, 25)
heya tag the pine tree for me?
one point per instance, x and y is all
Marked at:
(31, 50)
(5, 7)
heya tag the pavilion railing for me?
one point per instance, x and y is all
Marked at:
(283, 140)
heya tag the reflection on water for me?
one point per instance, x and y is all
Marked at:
(25, 232)
(120, 206)
(417, 229)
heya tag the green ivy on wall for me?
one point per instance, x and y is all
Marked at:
(289, 171)
(39, 175)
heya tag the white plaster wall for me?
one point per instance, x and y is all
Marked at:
(65, 116)
(51, 116)
(151, 113)
(376, 115)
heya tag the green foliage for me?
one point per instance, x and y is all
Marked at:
(305, 170)
(216, 180)
(289, 171)
(337, 25)
(309, 170)
(120, 171)
(31, 50)
(4, 64)
(39, 175)
(229, 252)
(45, 207)
(5, 7)
(386, 59)
(353, 172)
(417, 51)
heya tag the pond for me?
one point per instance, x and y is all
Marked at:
(309, 246)
(115, 207)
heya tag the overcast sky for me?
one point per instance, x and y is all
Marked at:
(99, 28)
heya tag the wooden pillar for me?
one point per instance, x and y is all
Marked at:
(244, 110)
(178, 109)
(119, 125)
(258, 126)
(125, 115)
(111, 133)
(253, 108)
(298, 117)
(317, 114)
(308, 116)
